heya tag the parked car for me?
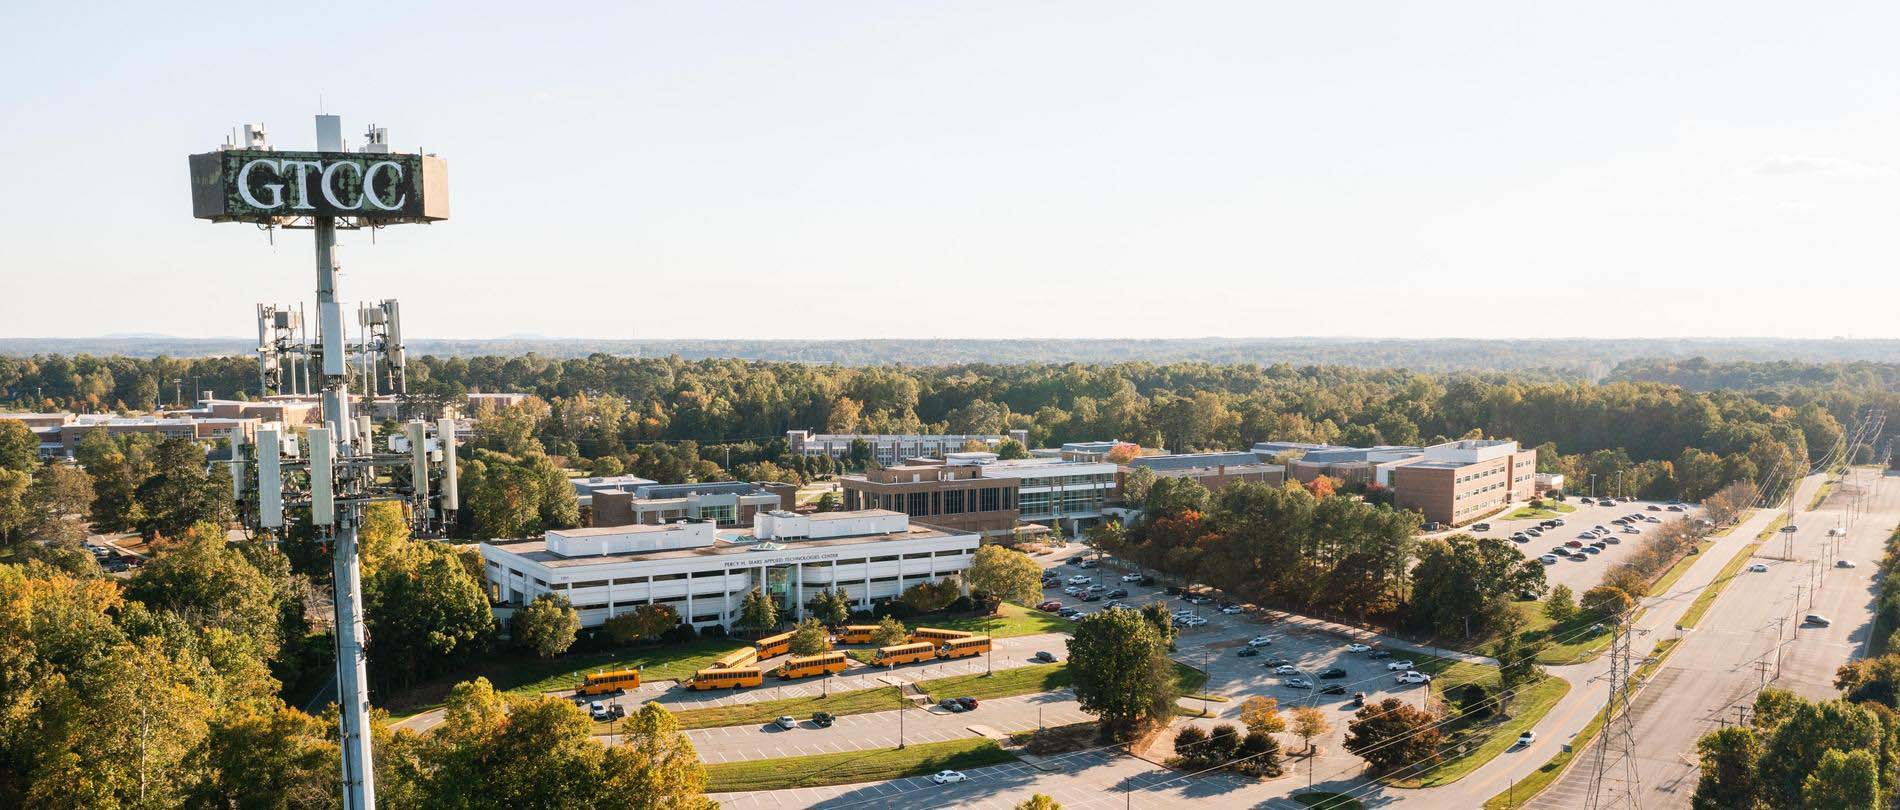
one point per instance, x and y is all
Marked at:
(598, 710)
(1091, 597)
(1259, 641)
(1358, 648)
(1117, 593)
(1481, 527)
(1232, 610)
(1520, 537)
(1579, 557)
(1043, 657)
(786, 722)
(1674, 508)
(1333, 689)
(1592, 549)
(1146, 580)
(1249, 652)
(1079, 579)
(1414, 677)
(1654, 508)
(1332, 673)
(950, 705)
(821, 719)
(1548, 559)
(1399, 666)
(1096, 588)
(947, 777)
(1086, 564)
(1073, 590)
(969, 704)
(1297, 683)
(1358, 699)
(1380, 654)
(1050, 606)
(1573, 544)
(1590, 501)
(1286, 669)
(1175, 590)
(1131, 577)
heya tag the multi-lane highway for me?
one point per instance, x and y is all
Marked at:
(1754, 635)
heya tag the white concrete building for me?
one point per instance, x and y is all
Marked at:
(890, 449)
(704, 572)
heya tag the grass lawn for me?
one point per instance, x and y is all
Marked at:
(1527, 788)
(1550, 510)
(857, 701)
(1821, 495)
(1011, 620)
(523, 675)
(853, 766)
(1328, 801)
(1002, 683)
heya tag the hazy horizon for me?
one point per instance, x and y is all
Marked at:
(862, 171)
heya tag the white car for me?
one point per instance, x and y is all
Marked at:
(947, 777)
(1079, 579)
(1527, 738)
(598, 710)
(1286, 669)
(1414, 677)
(1358, 648)
(1259, 641)
(1297, 683)
(786, 722)
(1548, 559)
(1759, 568)
(1073, 590)
(1131, 577)
(1232, 610)
(1399, 666)
(1195, 621)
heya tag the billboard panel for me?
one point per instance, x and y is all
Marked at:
(242, 185)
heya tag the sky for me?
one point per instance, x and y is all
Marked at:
(973, 169)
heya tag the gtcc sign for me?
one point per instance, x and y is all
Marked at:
(256, 186)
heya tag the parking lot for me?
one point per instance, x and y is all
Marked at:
(1309, 647)
(1582, 575)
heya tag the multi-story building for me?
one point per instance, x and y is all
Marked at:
(1212, 470)
(704, 572)
(1068, 496)
(62, 439)
(1458, 482)
(725, 503)
(953, 496)
(889, 449)
(1348, 465)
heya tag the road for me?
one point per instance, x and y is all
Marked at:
(1732, 654)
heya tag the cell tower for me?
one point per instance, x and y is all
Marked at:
(334, 470)
(1617, 741)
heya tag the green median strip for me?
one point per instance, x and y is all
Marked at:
(1329, 801)
(853, 766)
(1706, 599)
(857, 701)
(1528, 707)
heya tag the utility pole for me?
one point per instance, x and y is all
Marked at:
(1618, 730)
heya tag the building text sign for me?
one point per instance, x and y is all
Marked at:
(260, 186)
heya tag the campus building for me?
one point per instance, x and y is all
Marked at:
(704, 572)
(890, 449)
(954, 496)
(725, 503)
(1458, 482)
(59, 434)
(1067, 496)
(1212, 470)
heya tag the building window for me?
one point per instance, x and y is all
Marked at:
(992, 500)
(917, 504)
(953, 502)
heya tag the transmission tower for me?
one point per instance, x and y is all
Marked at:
(1617, 741)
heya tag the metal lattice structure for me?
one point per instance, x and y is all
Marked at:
(1616, 743)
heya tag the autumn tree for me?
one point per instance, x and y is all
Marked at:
(1605, 603)
(19, 446)
(1392, 733)
(546, 626)
(1561, 606)
(209, 583)
(1728, 779)
(1262, 715)
(1038, 801)
(183, 490)
(1309, 722)
(279, 759)
(1006, 573)
(1843, 781)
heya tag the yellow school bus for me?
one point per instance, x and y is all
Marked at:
(733, 678)
(933, 634)
(905, 653)
(964, 647)
(742, 657)
(862, 633)
(820, 664)
(774, 645)
(603, 683)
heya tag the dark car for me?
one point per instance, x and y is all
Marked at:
(1147, 580)
(1481, 527)
(969, 704)
(1330, 674)
(1358, 699)
(1249, 652)
(1654, 508)
(1174, 590)
(1091, 597)
(1051, 606)
(1117, 593)
(1043, 658)
(821, 719)
(1334, 689)
(1380, 654)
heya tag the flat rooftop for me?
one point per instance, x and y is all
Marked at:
(726, 543)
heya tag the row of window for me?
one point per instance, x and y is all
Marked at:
(938, 502)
